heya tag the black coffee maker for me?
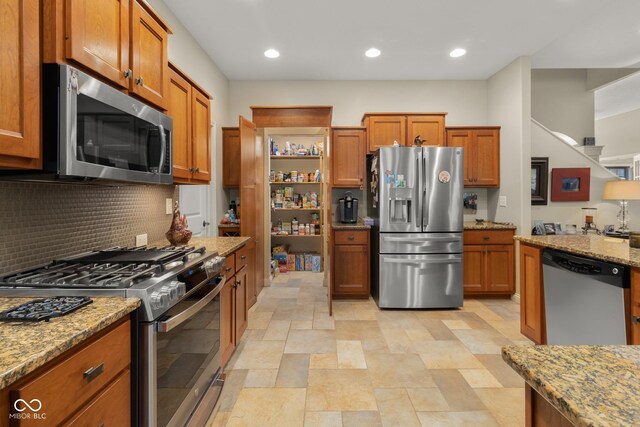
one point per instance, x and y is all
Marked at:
(348, 208)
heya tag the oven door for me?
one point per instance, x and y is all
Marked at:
(180, 357)
(104, 133)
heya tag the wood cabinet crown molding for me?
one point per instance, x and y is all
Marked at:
(292, 116)
(403, 113)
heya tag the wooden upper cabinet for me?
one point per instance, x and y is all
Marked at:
(382, 131)
(481, 154)
(201, 129)
(348, 157)
(149, 58)
(430, 129)
(532, 317)
(190, 109)
(230, 157)
(180, 111)
(385, 128)
(462, 138)
(97, 36)
(20, 139)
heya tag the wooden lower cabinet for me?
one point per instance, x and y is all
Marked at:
(227, 320)
(241, 298)
(69, 395)
(489, 263)
(635, 306)
(532, 318)
(540, 413)
(351, 264)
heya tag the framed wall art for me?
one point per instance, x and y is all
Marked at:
(570, 184)
(539, 180)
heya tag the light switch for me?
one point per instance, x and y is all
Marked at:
(168, 209)
(141, 239)
(502, 201)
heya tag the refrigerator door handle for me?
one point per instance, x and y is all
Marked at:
(419, 193)
(425, 204)
(421, 262)
(421, 239)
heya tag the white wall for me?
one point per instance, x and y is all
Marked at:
(465, 101)
(619, 134)
(561, 101)
(187, 55)
(561, 155)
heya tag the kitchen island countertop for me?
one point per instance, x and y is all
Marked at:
(28, 346)
(590, 385)
(591, 245)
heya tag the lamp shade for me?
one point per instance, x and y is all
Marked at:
(621, 190)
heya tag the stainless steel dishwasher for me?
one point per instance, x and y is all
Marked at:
(584, 299)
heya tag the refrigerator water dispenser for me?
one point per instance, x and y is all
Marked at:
(400, 205)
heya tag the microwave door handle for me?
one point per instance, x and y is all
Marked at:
(183, 316)
(163, 147)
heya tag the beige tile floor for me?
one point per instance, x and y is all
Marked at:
(296, 366)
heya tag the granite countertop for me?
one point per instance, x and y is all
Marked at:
(488, 225)
(360, 225)
(590, 385)
(223, 245)
(28, 346)
(591, 245)
(228, 225)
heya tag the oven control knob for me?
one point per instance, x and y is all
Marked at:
(171, 294)
(179, 287)
(215, 265)
(158, 300)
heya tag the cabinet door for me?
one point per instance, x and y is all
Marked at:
(635, 307)
(227, 320)
(351, 270)
(201, 136)
(110, 408)
(428, 128)
(487, 158)
(149, 60)
(180, 111)
(383, 130)
(474, 268)
(462, 138)
(20, 139)
(500, 267)
(249, 251)
(532, 320)
(241, 316)
(348, 158)
(97, 36)
(248, 186)
(230, 157)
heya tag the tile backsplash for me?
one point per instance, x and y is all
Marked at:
(40, 222)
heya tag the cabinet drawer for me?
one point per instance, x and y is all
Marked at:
(111, 408)
(230, 269)
(489, 237)
(351, 237)
(64, 388)
(242, 257)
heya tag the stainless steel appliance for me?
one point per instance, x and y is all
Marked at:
(92, 131)
(417, 195)
(348, 208)
(178, 332)
(584, 300)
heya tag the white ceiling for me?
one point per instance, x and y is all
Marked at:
(618, 98)
(326, 39)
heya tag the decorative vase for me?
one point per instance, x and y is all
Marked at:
(179, 233)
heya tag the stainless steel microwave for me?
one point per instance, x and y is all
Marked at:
(92, 131)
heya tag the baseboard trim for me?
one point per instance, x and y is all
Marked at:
(515, 298)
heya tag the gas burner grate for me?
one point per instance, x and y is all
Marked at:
(44, 309)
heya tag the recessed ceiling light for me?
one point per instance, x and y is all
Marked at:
(373, 52)
(457, 53)
(271, 53)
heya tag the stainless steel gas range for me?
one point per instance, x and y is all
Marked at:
(177, 340)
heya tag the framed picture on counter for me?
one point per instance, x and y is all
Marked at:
(539, 180)
(570, 184)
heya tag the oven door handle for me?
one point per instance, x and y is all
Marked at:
(178, 319)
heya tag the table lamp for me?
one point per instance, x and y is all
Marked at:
(622, 191)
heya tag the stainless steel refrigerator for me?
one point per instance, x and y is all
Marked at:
(416, 194)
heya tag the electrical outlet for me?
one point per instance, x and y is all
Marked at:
(141, 239)
(168, 206)
(502, 201)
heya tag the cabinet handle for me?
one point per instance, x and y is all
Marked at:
(196, 170)
(229, 269)
(485, 237)
(127, 74)
(635, 319)
(140, 81)
(92, 373)
(350, 238)
(243, 257)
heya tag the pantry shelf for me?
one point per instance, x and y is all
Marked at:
(295, 183)
(296, 235)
